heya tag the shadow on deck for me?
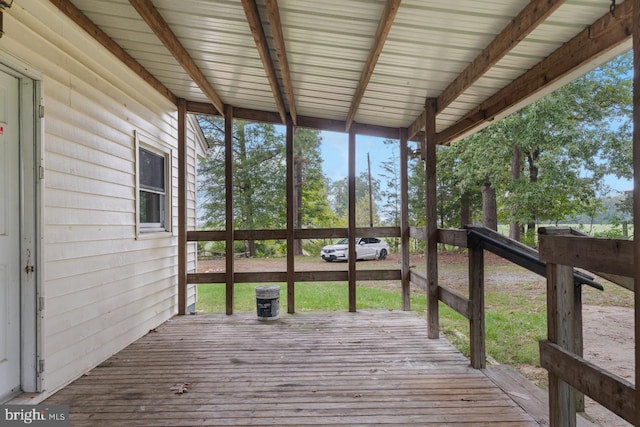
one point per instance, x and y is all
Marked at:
(365, 368)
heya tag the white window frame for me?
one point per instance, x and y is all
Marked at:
(147, 142)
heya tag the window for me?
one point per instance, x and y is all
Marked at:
(154, 166)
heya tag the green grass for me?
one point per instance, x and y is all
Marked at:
(326, 296)
(513, 327)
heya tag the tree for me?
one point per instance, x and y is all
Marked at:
(568, 141)
(311, 206)
(391, 191)
(259, 172)
(339, 199)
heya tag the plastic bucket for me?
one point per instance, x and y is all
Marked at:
(268, 302)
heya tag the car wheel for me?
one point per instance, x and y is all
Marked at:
(383, 254)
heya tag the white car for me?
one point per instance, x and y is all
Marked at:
(366, 248)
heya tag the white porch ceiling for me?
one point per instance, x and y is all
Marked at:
(328, 43)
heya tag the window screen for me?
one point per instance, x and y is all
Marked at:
(151, 171)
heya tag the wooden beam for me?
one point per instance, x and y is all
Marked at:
(229, 222)
(593, 254)
(602, 36)
(384, 26)
(255, 24)
(405, 256)
(461, 126)
(416, 126)
(636, 194)
(303, 121)
(456, 301)
(290, 190)
(478, 353)
(101, 37)
(419, 279)
(160, 27)
(453, 237)
(273, 13)
(431, 199)
(611, 391)
(560, 330)
(352, 221)
(299, 276)
(522, 25)
(182, 207)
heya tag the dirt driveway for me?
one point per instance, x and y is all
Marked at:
(608, 316)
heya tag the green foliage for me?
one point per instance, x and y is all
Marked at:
(259, 184)
(390, 192)
(568, 140)
(339, 197)
(416, 181)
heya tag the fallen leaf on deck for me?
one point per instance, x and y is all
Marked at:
(180, 388)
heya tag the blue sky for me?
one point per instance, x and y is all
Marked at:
(335, 152)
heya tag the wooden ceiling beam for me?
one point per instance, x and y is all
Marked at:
(384, 26)
(101, 37)
(597, 39)
(522, 25)
(303, 121)
(273, 13)
(160, 27)
(255, 24)
(527, 20)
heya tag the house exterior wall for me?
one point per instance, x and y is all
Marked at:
(104, 285)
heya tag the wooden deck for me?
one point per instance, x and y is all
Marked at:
(365, 368)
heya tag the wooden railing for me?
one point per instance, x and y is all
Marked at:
(561, 352)
(471, 308)
(477, 240)
(232, 277)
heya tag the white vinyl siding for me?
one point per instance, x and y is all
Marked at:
(103, 287)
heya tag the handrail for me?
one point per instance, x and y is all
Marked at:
(478, 239)
(561, 353)
(522, 255)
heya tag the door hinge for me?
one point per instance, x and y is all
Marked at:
(40, 366)
(41, 172)
(41, 303)
(41, 111)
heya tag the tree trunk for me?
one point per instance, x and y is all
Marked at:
(465, 210)
(489, 206)
(516, 168)
(246, 189)
(533, 178)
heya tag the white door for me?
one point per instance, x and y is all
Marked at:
(10, 370)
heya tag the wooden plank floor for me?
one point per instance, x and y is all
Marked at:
(365, 368)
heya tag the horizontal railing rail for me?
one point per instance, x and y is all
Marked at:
(232, 277)
(299, 233)
(570, 374)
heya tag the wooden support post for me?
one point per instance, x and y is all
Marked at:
(182, 206)
(433, 317)
(290, 220)
(352, 220)
(560, 330)
(476, 296)
(578, 344)
(404, 221)
(229, 225)
(636, 191)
